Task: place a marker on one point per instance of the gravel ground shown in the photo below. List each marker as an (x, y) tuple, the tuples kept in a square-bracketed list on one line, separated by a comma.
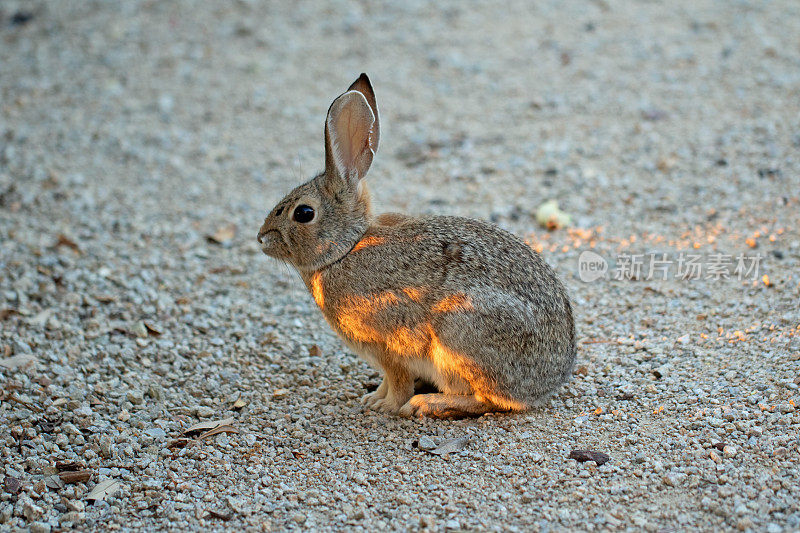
[(142, 143)]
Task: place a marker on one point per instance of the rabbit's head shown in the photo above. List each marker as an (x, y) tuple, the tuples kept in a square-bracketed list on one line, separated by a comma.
[(321, 220)]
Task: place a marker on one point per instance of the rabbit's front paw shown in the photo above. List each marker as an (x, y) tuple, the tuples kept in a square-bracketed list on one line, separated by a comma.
[(390, 405), (375, 396), (391, 395), (372, 398)]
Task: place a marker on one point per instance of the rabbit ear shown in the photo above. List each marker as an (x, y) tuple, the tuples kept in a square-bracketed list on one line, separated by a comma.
[(363, 86), (350, 136)]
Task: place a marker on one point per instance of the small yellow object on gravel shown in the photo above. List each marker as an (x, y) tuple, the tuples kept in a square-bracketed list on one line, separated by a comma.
[(549, 216)]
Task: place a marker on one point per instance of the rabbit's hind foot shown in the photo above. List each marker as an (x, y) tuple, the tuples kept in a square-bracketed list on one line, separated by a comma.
[(446, 406)]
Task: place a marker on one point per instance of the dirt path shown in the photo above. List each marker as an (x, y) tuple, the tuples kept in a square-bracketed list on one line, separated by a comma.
[(130, 133)]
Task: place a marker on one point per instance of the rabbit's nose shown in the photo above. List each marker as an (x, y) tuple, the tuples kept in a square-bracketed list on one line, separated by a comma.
[(261, 233)]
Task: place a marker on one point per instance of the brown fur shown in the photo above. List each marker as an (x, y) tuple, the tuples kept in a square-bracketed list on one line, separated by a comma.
[(456, 302)]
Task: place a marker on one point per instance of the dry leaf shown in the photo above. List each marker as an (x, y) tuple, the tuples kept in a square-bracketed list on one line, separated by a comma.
[(315, 351), (22, 360), (14, 398), (450, 446), (105, 298), (63, 240), (103, 489), (223, 235), (218, 430), (54, 482), (178, 443), (76, 476), (68, 466), (217, 514), (589, 455), (239, 403), (151, 329), (206, 426), (5, 313), (12, 485)]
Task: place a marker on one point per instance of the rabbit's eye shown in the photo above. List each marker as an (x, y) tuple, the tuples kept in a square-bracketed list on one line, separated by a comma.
[(303, 214)]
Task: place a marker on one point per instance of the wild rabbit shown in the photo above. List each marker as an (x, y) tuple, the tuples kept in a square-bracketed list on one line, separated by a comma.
[(455, 302)]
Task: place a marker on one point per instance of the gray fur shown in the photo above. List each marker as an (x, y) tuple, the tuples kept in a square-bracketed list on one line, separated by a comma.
[(450, 300)]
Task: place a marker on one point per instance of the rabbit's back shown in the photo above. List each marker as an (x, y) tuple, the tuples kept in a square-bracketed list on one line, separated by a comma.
[(470, 294)]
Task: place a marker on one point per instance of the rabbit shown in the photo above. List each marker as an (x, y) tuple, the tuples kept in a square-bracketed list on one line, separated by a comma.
[(455, 302)]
